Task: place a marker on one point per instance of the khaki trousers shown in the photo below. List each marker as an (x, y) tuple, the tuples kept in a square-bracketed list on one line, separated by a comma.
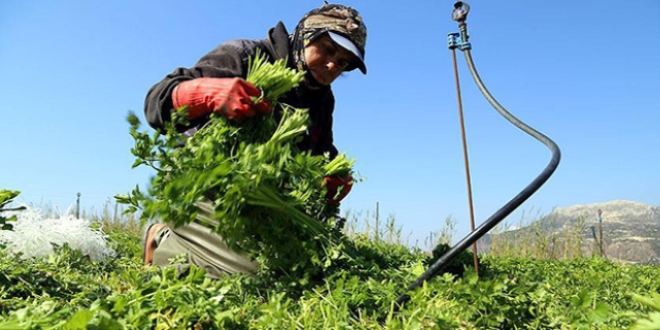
[(201, 247)]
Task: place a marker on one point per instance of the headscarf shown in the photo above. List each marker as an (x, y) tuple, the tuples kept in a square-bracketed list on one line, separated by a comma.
[(340, 19)]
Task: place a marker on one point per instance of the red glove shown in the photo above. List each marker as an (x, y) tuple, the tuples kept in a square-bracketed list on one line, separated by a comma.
[(338, 188), (227, 96)]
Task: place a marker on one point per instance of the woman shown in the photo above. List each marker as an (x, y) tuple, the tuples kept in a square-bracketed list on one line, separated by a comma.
[(326, 42)]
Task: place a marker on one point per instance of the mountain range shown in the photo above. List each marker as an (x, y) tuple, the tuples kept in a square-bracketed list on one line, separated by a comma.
[(630, 230)]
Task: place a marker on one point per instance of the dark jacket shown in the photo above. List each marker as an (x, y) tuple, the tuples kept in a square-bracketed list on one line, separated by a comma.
[(230, 59)]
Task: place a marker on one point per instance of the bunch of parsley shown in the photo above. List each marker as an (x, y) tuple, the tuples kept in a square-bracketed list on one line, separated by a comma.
[(267, 196)]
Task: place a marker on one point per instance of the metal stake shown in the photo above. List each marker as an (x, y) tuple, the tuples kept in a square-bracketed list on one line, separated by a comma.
[(465, 158)]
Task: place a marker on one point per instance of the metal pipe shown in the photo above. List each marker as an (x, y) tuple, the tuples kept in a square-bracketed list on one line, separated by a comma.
[(517, 200)]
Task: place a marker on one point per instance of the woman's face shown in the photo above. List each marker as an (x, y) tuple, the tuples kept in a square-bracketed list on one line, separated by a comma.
[(326, 60)]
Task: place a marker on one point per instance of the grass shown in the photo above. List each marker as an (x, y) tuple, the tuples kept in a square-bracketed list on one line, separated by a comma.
[(112, 218), (540, 283), (535, 241)]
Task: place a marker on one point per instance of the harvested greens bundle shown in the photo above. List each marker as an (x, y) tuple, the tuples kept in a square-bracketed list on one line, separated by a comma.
[(268, 196)]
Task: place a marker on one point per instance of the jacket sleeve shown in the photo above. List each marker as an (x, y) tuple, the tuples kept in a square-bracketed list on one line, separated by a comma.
[(326, 139), (227, 60)]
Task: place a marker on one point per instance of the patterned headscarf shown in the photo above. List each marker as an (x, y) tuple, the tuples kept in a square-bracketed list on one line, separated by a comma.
[(342, 20)]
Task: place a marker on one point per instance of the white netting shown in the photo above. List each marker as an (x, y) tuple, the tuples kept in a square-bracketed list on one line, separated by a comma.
[(34, 235)]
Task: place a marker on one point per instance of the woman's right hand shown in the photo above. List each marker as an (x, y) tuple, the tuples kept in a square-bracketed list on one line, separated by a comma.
[(230, 97)]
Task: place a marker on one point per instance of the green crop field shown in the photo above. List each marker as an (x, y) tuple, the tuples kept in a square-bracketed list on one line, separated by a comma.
[(67, 290)]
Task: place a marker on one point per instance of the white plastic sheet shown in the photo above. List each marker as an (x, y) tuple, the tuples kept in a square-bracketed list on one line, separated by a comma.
[(35, 234)]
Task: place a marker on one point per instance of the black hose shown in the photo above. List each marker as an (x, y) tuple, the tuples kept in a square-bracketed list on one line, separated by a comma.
[(509, 207)]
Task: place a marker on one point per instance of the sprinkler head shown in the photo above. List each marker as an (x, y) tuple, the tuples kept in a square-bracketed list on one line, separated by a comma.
[(460, 12)]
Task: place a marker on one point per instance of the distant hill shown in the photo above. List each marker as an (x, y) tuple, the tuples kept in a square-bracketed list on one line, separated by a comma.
[(631, 230)]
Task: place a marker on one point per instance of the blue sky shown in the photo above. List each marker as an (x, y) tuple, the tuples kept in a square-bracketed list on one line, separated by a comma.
[(585, 73)]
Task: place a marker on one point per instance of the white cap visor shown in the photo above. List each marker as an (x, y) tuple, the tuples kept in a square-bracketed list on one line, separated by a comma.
[(349, 46)]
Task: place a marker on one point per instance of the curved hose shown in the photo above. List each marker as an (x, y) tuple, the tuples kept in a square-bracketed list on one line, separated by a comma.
[(509, 207)]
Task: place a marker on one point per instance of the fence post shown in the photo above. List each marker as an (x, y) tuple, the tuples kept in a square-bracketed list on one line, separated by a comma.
[(78, 206), (377, 229), (600, 223)]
